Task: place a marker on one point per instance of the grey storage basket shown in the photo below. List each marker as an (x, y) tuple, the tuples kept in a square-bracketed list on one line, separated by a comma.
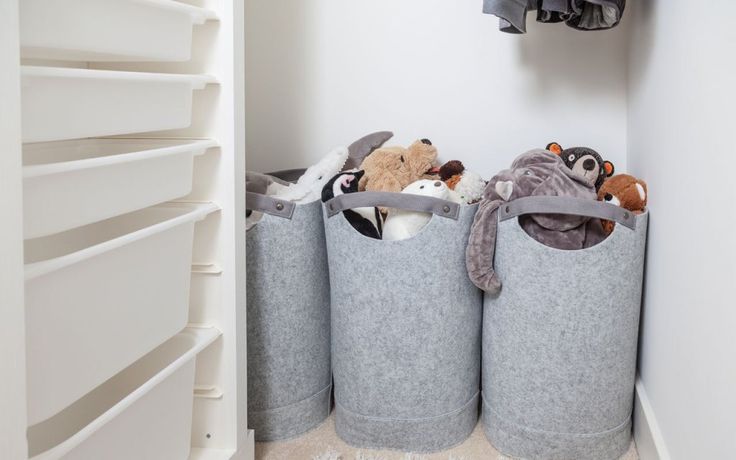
[(405, 328), (288, 316), (560, 340)]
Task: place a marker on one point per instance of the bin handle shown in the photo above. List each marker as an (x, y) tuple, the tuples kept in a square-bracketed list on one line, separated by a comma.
[(269, 205), (405, 201), (569, 206)]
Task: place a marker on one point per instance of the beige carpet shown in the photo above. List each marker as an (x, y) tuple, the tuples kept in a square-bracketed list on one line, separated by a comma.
[(323, 444)]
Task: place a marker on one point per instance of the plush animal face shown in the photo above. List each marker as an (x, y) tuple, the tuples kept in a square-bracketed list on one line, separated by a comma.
[(340, 184), (466, 186), (427, 187), (584, 162), (391, 169), (625, 191), (526, 174)]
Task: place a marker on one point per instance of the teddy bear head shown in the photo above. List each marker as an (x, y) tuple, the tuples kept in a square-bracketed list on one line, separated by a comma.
[(584, 162), (626, 191), (391, 169)]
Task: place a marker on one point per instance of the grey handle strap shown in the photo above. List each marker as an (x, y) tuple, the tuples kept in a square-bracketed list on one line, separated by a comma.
[(269, 205), (566, 205), (405, 201)]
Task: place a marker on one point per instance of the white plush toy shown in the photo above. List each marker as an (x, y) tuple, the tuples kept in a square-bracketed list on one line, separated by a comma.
[(309, 186), (469, 189), (402, 224), (466, 187)]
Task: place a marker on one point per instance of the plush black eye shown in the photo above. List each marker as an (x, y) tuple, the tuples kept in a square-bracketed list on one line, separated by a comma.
[(402, 158), (571, 158), (319, 178), (608, 197), (421, 187)]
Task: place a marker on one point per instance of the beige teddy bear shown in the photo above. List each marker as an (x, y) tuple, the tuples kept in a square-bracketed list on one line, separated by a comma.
[(391, 169)]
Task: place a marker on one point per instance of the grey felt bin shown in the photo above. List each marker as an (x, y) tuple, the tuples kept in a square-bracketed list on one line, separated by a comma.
[(560, 340), (405, 328), (288, 317)]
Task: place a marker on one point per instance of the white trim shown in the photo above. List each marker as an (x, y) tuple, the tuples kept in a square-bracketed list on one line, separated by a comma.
[(649, 441), (197, 81), (13, 413), (157, 149)]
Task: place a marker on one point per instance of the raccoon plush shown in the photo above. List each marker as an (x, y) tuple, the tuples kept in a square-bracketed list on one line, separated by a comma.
[(367, 221), (585, 162)]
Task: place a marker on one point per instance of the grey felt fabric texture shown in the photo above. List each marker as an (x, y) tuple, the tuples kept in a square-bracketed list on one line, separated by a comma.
[(405, 336), (288, 316), (560, 343)]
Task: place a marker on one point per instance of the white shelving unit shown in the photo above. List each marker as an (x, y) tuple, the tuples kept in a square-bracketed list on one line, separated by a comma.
[(121, 176)]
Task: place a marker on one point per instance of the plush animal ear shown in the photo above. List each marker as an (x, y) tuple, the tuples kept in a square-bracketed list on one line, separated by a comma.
[(608, 167), (554, 147), (505, 189), (642, 192)]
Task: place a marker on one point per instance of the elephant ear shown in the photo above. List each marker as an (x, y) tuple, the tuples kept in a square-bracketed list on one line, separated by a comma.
[(364, 146)]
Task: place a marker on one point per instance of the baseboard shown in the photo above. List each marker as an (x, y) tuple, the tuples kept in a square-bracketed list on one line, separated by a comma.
[(649, 441)]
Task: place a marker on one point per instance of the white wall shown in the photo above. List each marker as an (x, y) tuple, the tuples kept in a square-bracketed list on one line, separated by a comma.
[(321, 73), (681, 141)]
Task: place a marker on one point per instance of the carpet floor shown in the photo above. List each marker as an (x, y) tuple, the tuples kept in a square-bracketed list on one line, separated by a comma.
[(323, 444)]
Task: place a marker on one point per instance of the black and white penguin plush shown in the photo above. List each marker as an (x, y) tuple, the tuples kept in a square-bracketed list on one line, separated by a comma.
[(367, 221)]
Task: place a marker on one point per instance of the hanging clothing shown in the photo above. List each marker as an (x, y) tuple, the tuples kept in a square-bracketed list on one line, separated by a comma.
[(578, 14)]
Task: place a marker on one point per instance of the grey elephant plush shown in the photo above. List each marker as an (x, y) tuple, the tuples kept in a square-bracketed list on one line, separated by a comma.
[(537, 172)]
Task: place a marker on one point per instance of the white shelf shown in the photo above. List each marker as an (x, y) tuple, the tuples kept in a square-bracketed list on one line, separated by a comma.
[(73, 183), (101, 296), (67, 103), (109, 30), (143, 413)]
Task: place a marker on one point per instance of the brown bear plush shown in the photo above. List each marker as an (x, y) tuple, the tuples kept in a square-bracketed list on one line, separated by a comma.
[(625, 191), (390, 169)]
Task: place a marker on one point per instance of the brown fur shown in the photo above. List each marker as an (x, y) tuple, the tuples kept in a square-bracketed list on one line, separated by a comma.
[(451, 168), (390, 169), (623, 187)]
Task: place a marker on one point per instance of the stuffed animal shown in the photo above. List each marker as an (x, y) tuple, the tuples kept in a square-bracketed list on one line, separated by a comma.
[(309, 186), (367, 221), (585, 162), (391, 169), (401, 224), (625, 191), (538, 172), (466, 187)]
